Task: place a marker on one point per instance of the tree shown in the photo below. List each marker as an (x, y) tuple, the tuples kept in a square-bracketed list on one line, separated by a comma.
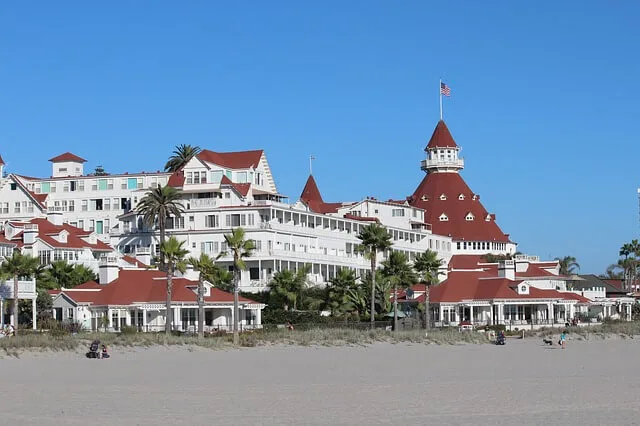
[(287, 287), (339, 289), (240, 249), (427, 264), (159, 204), (221, 278), (181, 156), (397, 269), (568, 265), (60, 274), (205, 265), (174, 254), (18, 265), (614, 271), (631, 253), (99, 171), (82, 274), (373, 239)]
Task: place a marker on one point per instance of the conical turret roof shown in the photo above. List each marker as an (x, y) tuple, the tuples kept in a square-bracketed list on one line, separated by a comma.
[(441, 137)]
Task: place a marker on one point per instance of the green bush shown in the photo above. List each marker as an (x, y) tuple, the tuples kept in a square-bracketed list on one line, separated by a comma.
[(128, 329)]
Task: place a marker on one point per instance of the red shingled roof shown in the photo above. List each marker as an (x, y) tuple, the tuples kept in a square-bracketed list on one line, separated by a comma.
[(233, 160), (47, 231), (176, 180), (452, 185), (132, 260), (313, 199), (150, 286), (441, 137), (67, 156), (1, 160), (465, 261), (241, 188)]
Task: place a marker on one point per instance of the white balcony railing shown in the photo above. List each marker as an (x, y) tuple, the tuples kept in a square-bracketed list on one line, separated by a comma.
[(201, 203), (459, 163), (26, 289)]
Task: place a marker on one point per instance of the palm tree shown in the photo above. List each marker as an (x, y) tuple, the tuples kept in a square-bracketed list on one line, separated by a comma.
[(82, 274), (288, 286), (398, 270), (174, 254), (614, 271), (205, 264), (427, 264), (338, 298), (373, 239), (161, 203), (568, 265), (181, 156), (18, 265), (240, 249)]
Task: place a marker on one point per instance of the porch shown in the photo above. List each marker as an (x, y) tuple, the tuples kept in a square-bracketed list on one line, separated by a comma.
[(26, 290), (151, 317)]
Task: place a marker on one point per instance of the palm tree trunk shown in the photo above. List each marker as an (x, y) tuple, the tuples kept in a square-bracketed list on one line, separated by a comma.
[(236, 290), (200, 307), (373, 290), (161, 225), (426, 306), (15, 304), (395, 307), (169, 313)]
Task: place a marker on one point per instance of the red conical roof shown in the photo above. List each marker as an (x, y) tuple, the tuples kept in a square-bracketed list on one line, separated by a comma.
[(441, 137), (1, 160), (313, 199)]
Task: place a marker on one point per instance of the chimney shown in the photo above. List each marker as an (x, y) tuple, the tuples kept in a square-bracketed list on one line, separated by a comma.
[(108, 269), (30, 233), (55, 216), (507, 269), (143, 255)]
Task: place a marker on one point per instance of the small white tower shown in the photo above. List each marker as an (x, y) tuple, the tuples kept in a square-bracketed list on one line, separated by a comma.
[(443, 154), (1, 167)]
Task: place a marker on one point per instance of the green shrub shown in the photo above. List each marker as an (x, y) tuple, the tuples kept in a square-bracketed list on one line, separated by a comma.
[(128, 329)]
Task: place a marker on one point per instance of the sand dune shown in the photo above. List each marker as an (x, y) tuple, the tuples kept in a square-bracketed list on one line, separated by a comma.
[(524, 382)]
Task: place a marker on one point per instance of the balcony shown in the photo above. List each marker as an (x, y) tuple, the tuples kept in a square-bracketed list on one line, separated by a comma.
[(201, 203), (26, 289), (444, 164)]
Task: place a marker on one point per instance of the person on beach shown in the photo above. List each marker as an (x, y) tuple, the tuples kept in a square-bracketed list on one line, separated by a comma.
[(563, 339), (104, 354), (289, 326)]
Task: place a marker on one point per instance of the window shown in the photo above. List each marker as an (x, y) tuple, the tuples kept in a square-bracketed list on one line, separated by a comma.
[(132, 183), (14, 186), (354, 212), (109, 183), (71, 207), (65, 186), (461, 197), (397, 212), (80, 185), (254, 273), (458, 245), (242, 177), (235, 220), (211, 221), (17, 207), (72, 185), (85, 205), (96, 204), (107, 203), (62, 169), (81, 223), (189, 177), (46, 187), (258, 179), (469, 216), (102, 184), (443, 197), (443, 218), (94, 185)]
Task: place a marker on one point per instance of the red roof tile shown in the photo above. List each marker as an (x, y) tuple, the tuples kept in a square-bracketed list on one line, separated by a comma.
[(241, 188), (81, 296), (465, 261), (451, 185), (67, 156), (47, 231), (89, 285), (233, 160), (441, 137), (132, 260)]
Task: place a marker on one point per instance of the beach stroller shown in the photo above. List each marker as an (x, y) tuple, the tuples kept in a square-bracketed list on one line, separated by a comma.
[(94, 350), (500, 340)]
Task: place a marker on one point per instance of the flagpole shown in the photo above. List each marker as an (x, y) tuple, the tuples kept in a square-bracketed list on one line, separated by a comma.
[(440, 91)]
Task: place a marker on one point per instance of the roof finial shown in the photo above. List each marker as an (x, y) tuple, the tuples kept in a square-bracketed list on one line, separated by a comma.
[(311, 158)]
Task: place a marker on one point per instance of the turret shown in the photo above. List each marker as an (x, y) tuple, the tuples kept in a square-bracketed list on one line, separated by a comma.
[(443, 154)]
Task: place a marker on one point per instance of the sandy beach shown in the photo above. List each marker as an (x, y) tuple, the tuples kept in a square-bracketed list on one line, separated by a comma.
[(523, 382)]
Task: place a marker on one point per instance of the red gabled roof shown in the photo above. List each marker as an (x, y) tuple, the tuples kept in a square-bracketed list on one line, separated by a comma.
[(1, 160), (313, 199), (176, 179), (465, 261), (67, 156), (452, 185), (80, 296), (441, 137), (241, 188), (89, 285), (132, 260), (150, 286), (47, 231), (233, 160)]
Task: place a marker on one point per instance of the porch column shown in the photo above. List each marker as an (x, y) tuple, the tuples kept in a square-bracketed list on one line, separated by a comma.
[(258, 316), (2, 312), (551, 316), (144, 319), (260, 279), (440, 314), (471, 314), (33, 313), (109, 316), (177, 319), (230, 325)]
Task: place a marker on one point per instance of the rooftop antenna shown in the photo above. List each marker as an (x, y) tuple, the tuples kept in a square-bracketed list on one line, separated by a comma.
[(311, 158)]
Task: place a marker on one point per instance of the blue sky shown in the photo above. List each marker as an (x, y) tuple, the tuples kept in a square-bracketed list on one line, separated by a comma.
[(544, 99)]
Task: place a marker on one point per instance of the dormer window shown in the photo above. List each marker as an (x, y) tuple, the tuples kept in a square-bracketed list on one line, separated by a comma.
[(443, 218), (469, 216), (424, 198), (461, 197), (488, 218), (475, 197), (443, 197)]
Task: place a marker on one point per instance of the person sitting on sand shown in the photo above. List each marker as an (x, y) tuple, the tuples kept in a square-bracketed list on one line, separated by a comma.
[(104, 354), (289, 326)]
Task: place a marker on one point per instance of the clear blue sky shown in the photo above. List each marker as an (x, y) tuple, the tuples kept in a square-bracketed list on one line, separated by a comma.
[(544, 99)]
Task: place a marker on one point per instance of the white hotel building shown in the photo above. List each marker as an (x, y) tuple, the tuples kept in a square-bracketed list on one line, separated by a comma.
[(220, 191)]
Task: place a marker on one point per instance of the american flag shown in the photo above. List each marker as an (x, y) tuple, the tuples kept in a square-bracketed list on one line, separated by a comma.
[(444, 89)]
